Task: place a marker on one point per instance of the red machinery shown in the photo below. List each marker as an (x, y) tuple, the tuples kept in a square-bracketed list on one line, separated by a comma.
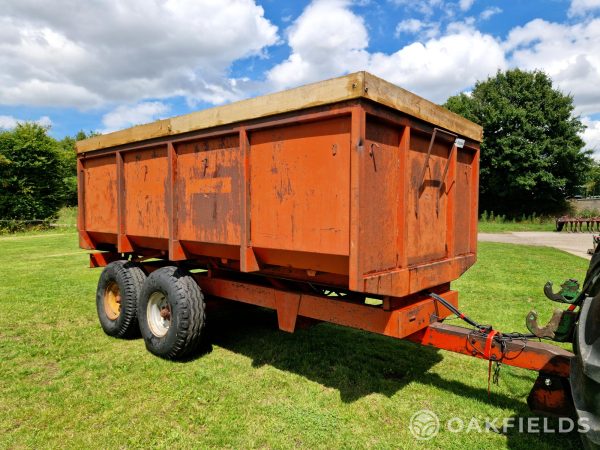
[(569, 223)]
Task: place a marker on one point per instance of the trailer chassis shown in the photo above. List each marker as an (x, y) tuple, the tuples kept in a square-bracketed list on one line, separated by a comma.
[(417, 318)]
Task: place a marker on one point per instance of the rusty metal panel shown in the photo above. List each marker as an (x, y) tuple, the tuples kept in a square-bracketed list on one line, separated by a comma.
[(299, 184), (380, 191), (100, 194), (145, 178), (346, 191), (464, 194), (415, 315), (208, 190), (426, 213)]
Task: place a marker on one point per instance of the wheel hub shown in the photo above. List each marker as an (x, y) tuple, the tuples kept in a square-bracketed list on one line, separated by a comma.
[(112, 301), (158, 314), (165, 313)]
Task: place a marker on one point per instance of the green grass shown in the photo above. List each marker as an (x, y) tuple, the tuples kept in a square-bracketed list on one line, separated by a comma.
[(506, 227), (492, 223), (67, 218), (65, 384)]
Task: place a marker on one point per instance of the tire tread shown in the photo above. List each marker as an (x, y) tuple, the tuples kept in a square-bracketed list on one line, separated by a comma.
[(130, 277), (191, 310)]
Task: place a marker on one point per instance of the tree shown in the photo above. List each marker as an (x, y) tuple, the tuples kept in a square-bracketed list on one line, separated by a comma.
[(592, 186), (532, 155), (31, 185)]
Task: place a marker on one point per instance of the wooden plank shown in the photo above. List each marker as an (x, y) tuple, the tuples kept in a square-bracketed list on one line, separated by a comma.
[(138, 133), (395, 97), (315, 94), (352, 86)]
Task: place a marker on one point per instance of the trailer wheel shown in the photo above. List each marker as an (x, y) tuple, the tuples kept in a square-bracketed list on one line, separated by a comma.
[(116, 298), (171, 313)]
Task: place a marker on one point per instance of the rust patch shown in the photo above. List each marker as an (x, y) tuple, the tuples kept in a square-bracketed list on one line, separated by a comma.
[(221, 185)]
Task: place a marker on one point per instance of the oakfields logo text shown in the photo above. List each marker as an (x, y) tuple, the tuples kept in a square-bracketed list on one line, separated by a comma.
[(425, 425)]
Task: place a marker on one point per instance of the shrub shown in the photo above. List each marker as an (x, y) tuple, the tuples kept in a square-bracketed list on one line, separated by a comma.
[(31, 182)]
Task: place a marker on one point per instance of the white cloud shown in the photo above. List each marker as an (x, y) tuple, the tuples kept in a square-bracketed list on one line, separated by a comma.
[(466, 24), (489, 12), (591, 135), (427, 7), (9, 122), (570, 54), (109, 52), (129, 115), (409, 26), (328, 39), (582, 7), (86, 54), (425, 29), (441, 67), (465, 5), (44, 121)]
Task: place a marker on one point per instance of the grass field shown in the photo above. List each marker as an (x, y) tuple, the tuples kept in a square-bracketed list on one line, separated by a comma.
[(505, 227), (65, 384), (491, 223)]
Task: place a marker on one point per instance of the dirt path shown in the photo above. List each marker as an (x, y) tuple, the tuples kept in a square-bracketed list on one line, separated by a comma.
[(574, 243)]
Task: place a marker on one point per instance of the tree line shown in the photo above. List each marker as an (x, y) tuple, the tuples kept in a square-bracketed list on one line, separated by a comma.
[(532, 154), (38, 174)]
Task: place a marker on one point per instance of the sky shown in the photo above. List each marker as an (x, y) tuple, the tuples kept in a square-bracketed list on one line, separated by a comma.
[(105, 65)]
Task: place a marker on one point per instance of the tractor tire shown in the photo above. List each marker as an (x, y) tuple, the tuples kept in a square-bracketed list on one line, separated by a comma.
[(585, 371), (172, 314), (117, 295)]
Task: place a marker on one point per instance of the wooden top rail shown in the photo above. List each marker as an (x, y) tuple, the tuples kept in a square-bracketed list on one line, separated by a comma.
[(353, 86)]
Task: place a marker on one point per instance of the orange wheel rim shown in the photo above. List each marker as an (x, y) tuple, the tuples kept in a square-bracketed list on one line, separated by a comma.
[(112, 301)]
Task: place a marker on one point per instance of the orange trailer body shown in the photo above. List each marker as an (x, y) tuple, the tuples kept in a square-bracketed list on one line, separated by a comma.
[(347, 201), (352, 182)]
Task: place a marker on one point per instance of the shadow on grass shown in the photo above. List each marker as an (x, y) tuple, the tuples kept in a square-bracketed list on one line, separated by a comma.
[(357, 364), (354, 362)]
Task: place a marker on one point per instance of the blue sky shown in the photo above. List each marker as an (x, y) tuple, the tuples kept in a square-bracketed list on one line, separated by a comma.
[(110, 64)]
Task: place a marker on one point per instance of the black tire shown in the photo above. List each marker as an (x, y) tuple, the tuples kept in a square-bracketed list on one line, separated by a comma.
[(124, 280), (177, 296)]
